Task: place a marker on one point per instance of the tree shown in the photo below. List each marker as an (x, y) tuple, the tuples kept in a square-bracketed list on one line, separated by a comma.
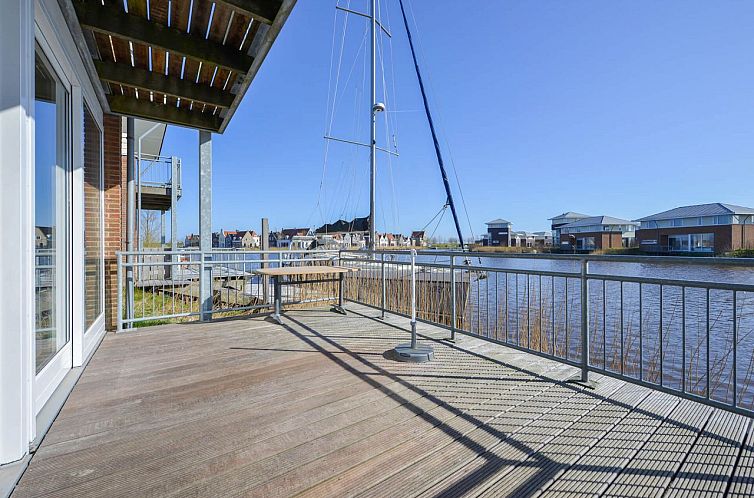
[(150, 229)]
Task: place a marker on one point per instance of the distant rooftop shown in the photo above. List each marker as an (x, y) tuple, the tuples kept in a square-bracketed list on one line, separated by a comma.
[(498, 222), (598, 220), (355, 225), (713, 209), (570, 214)]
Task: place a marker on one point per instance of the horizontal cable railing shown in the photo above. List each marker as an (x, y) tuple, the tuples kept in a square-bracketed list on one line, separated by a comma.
[(683, 325), (160, 286)]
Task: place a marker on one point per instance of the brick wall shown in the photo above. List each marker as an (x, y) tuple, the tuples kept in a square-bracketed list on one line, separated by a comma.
[(727, 237), (115, 212), (602, 240)]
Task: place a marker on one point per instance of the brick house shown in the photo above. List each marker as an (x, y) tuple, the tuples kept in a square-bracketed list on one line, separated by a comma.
[(714, 228), (418, 238), (597, 233), (561, 220), (498, 233), (238, 239)]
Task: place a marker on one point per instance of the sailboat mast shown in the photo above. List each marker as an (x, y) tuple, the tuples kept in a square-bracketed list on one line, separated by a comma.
[(373, 125), (432, 129)]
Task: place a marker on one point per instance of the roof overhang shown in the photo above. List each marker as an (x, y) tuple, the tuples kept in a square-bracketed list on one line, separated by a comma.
[(181, 62), (152, 136)]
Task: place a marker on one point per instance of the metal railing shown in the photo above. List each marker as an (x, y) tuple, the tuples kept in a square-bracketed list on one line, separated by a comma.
[(679, 325), (158, 286), (159, 171)]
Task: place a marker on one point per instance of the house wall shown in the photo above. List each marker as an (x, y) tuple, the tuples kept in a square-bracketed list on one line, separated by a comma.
[(727, 237), (115, 211), (498, 236), (602, 240), (742, 236)]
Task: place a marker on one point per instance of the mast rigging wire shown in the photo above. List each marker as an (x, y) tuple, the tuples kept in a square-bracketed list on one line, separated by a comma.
[(441, 122), (432, 129)]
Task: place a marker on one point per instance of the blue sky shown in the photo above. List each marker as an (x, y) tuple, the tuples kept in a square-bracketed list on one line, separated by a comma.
[(623, 108)]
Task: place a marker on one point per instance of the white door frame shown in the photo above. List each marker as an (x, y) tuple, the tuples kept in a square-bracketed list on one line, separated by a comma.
[(17, 427), (22, 391), (60, 48)]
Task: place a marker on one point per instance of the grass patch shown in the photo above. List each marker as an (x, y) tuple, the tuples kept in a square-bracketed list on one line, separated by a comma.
[(741, 253)]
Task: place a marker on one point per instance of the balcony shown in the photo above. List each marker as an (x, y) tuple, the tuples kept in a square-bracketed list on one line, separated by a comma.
[(157, 178), (314, 407)]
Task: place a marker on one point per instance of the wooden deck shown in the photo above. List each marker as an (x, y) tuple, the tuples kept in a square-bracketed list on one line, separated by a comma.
[(246, 407)]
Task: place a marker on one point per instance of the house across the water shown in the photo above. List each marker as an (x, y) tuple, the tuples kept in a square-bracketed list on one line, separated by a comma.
[(706, 228), (236, 239), (498, 233), (561, 220), (597, 233)]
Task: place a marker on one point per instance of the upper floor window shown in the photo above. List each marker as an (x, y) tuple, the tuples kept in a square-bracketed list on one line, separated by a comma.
[(724, 220)]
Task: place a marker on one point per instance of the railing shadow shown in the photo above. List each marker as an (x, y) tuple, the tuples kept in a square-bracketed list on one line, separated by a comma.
[(548, 468)]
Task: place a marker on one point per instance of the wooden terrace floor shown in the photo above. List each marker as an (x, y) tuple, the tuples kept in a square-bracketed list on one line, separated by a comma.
[(246, 407)]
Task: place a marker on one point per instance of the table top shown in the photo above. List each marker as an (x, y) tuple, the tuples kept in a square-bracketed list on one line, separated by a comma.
[(304, 270)]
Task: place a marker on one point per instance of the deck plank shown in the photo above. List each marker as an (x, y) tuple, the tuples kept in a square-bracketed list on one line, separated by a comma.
[(247, 407), (652, 468)]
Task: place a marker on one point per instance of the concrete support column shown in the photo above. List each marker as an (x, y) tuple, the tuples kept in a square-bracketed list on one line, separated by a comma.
[(205, 219), (174, 185), (17, 426), (264, 244)]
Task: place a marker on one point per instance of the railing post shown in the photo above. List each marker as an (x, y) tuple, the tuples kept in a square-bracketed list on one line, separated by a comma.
[(584, 320), (382, 283), (340, 279), (130, 289), (202, 289), (413, 298), (453, 305), (119, 300)]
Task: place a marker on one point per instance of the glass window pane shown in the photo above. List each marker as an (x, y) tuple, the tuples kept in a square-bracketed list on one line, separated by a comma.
[(93, 250), (50, 192), (702, 242)]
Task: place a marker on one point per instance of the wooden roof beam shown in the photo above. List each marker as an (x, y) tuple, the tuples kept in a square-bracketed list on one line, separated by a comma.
[(260, 10), (169, 85), (129, 106), (111, 20)]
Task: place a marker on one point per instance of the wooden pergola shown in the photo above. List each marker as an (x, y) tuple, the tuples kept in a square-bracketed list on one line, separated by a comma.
[(182, 62)]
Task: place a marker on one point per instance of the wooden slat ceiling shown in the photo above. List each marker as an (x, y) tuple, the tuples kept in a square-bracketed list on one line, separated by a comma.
[(182, 62)]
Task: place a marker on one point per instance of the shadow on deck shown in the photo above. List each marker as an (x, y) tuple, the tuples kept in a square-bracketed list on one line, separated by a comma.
[(246, 407)]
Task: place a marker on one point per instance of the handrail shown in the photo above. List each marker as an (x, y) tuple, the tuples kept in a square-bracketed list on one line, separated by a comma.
[(171, 287), (670, 334), (652, 331), (618, 258)]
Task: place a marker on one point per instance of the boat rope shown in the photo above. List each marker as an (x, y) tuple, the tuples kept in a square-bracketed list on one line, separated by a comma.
[(328, 114), (441, 125), (440, 212), (438, 153), (388, 103)]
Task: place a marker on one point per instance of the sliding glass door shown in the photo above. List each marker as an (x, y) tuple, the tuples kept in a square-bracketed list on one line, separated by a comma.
[(51, 231)]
